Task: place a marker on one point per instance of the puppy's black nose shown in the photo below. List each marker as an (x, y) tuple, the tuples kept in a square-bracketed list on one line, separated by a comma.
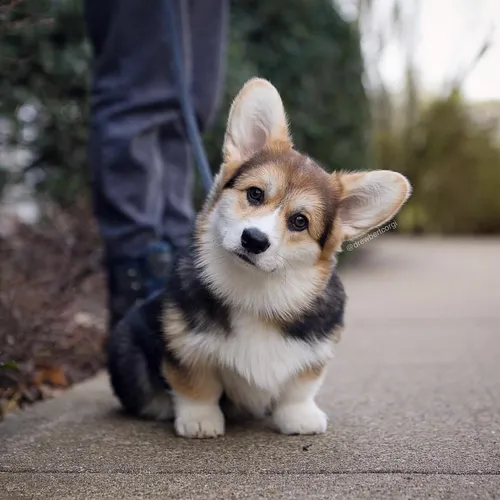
[(254, 240)]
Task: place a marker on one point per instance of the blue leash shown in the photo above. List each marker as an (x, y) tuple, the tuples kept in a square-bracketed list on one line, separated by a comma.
[(188, 114)]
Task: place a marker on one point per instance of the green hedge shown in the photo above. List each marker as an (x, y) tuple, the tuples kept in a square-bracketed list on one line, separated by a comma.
[(453, 162), (313, 57), (45, 60)]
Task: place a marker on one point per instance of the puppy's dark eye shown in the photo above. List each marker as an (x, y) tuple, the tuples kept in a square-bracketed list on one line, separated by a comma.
[(255, 195), (297, 222)]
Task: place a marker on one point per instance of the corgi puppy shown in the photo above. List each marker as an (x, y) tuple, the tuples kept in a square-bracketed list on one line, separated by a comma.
[(253, 309)]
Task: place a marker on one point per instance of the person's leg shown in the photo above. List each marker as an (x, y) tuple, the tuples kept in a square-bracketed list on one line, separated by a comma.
[(178, 180), (208, 25), (133, 102), (209, 22)]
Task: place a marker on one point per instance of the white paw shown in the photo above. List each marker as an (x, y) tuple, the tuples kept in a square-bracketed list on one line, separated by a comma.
[(300, 418), (205, 421)]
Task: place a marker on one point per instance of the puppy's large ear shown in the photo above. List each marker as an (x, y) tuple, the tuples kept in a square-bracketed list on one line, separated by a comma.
[(370, 199), (257, 118)]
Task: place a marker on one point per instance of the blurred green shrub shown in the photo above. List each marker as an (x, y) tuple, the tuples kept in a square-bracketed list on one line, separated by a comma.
[(302, 46), (313, 58), (45, 64), (452, 159)]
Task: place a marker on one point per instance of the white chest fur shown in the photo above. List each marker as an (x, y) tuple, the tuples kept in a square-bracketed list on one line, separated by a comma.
[(258, 353)]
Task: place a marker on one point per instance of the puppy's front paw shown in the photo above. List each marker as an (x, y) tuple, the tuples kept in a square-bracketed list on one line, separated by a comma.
[(200, 422), (300, 418)]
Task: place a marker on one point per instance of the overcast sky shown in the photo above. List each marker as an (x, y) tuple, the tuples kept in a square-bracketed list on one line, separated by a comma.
[(448, 35)]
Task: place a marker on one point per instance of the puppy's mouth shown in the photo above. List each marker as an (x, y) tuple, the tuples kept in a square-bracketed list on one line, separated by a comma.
[(247, 260), (244, 258)]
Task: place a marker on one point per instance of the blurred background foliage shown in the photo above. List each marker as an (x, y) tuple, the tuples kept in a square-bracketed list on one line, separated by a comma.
[(453, 162), (447, 146), (314, 58), (44, 87), (47, 61)]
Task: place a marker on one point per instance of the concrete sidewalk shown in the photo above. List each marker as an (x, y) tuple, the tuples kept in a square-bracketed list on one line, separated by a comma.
[(413, 399)]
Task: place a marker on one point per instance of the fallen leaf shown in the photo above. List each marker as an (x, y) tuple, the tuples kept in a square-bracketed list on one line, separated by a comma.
[(10, 404), (51, 375)]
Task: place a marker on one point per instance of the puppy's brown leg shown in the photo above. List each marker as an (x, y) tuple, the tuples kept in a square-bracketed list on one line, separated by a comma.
[(296, 411), (196, 393)]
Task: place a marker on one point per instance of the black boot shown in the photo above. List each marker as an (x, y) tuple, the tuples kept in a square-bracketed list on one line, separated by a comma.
[(133, 280)]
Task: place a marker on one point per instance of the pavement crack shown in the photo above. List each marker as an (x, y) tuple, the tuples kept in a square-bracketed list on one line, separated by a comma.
[(249, 473)]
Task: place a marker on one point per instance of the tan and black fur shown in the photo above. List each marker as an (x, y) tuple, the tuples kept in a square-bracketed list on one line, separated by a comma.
[(253, 309)]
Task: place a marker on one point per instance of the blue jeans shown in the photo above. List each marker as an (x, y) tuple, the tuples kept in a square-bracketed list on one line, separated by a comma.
[(141, 169)]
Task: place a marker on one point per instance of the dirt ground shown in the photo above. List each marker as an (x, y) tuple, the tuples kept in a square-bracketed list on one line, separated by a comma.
[(52, 306)]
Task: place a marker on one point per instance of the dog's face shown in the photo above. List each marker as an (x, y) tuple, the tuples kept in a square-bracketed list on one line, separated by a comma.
[(274, 210)]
